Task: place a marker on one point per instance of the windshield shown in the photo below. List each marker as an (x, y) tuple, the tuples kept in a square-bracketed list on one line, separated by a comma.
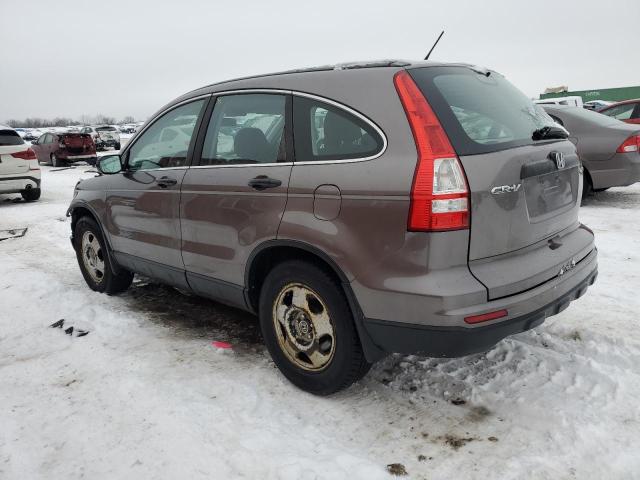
[(480, 113)]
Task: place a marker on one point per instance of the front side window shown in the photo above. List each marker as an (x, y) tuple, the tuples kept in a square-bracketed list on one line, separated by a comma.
[(325, 132), (246, 129), (166, 142), (621, 112)]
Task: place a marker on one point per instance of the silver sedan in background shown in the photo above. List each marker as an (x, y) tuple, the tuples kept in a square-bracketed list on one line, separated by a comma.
[(609, 149)]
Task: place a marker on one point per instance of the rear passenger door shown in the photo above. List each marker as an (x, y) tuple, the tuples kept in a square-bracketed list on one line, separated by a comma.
[(235, 193)]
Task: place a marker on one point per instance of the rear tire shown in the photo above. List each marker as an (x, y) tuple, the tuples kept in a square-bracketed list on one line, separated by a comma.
[(308, 328), (93, 259), (55, 161), (31, 195), (117, 147)]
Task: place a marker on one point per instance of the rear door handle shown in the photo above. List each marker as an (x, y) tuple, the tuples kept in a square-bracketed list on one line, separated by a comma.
[(165, 182), (262, 182)]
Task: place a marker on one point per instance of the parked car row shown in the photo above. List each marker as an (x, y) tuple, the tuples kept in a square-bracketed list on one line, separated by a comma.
[(30, 134)]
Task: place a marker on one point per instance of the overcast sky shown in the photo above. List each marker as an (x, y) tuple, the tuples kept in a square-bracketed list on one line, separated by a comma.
[(74, 57)]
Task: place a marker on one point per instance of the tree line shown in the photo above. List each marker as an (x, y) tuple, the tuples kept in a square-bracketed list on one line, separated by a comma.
[(37, 122)]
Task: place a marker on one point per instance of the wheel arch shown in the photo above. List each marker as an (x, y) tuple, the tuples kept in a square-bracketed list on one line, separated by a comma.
[(76, 212), (270, 253)]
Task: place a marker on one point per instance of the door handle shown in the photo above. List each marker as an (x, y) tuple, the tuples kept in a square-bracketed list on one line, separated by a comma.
[(262, 182), (165, 182)]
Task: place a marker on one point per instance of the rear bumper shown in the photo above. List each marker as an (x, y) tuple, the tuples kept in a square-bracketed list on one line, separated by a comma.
[(18, 183), (526, 310), (76, 158), (619, 171)]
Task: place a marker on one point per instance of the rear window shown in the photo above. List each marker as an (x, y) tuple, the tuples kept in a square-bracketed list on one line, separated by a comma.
[(10, 137), (480, 113), (106, 129)]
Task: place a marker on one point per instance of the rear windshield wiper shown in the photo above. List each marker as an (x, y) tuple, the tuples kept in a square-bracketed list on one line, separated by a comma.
[(548, 132)]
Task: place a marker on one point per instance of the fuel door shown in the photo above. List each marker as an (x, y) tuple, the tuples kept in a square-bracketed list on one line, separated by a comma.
[(327, 201)]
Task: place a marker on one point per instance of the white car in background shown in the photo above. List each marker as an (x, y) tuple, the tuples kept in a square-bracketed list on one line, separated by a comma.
[(596, 104), (104, 136), (19, 169), (571, 100)]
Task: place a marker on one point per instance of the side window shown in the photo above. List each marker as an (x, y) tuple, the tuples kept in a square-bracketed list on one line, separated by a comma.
[(246, 129), (621, 112), (325, 132), (166, 142), (46, 138)]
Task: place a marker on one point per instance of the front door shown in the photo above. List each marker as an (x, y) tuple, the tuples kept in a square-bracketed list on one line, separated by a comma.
[(234, 195), (143, 203)]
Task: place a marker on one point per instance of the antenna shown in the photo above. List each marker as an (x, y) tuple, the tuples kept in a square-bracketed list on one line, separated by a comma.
[(434, 45)]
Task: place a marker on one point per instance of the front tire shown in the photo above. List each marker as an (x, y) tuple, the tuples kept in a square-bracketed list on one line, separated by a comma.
[(31, 195), (93, 259), (309, 330), (117, 146)]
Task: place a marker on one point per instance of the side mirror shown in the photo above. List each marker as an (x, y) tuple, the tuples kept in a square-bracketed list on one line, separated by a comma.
[(109, 164)]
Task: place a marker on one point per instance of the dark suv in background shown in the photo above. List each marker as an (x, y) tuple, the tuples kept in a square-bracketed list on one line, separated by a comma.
[(359, 210)]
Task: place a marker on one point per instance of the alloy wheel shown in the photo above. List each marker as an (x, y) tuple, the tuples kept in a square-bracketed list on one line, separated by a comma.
[(92, 256), (304, 327)]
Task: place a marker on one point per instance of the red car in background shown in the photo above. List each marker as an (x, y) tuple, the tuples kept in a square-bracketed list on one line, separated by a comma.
[(62, 148), (627, 111)]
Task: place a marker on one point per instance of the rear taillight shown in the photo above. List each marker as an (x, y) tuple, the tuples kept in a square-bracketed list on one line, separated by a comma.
[(439, 194), (631, 144), (27, 154)]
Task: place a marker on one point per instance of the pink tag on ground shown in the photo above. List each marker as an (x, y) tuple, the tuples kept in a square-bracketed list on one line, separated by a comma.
[(218, 344)]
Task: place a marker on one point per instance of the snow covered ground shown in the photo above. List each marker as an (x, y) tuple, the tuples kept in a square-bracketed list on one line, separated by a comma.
[(146, 395)]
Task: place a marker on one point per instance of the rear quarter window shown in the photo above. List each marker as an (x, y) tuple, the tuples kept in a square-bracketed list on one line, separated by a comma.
[(10, 137), (323, 131), (480, 113)]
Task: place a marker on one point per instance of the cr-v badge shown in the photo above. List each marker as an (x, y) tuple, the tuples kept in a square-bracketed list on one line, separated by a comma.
[(506, 189)]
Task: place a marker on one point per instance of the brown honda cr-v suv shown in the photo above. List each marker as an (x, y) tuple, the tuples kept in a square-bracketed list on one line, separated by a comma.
[(358, 210)]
